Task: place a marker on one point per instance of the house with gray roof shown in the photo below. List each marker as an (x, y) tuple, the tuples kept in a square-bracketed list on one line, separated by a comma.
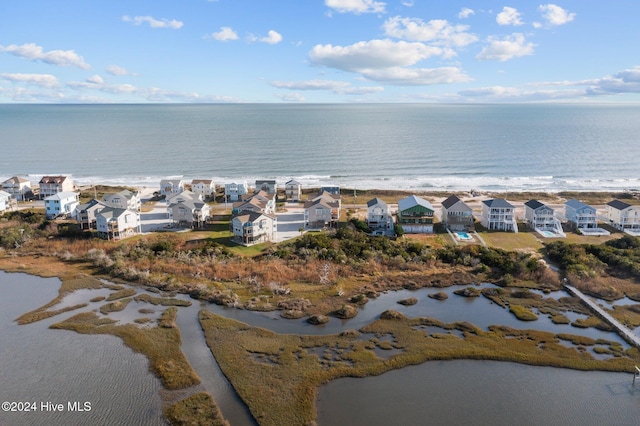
[(115, 224), (415, 215), (580, 215), (169, 187), (293, 190), (254, 228), (233, 191), (378, 216), (499, 215), (541, 217), (124, 199), (86, 213), (623, 216), (322, 210), (456, 214), (60, 204)]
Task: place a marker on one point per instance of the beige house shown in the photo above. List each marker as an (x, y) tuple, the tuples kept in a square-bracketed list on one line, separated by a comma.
[(204, 187), (254, 228), (51, 185), (260, 201), (322, 210), (115, 224), (624, 217), (86, 214), (456, 214), (19, 188), (192, 213)]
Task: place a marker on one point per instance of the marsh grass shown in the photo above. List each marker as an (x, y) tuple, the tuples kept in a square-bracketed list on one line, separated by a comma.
[(116, 306), (121, 294), (161, 300), (283, 391), (198, 409), (522, 313), (161, 345)]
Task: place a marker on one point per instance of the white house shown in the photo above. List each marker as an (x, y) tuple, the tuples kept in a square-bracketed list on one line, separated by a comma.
[(580, 215), (50, 185), (234, 191), (254, 228), (204, 187), (123, 200), (541, 217), (170, 187), (115, 224), (378, 216), (456, 214), (5, 201), (498, 214), (623, 216), (62, 203), (19, 188), (293, 190)]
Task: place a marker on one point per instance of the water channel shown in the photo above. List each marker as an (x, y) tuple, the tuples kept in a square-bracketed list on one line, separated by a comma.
[(58, 365)]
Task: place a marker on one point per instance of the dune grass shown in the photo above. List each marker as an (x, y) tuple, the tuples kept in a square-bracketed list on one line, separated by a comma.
[(277, 375)]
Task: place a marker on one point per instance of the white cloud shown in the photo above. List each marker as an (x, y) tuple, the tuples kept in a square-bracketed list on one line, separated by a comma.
[(225, 34), (340, 87), (153, 22), (509, 16), (417, 76), (372, 54), (356, 6), (54, 57), (437, 31), (118, 70), (509, 47), (465, 12), (273, 37), (555, 15), (42, 80)]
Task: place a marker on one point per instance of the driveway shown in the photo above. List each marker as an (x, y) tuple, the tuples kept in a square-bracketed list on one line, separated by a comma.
[(290, 222)]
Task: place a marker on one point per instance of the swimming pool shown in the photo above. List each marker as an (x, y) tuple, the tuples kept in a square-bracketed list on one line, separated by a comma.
[(463, 236)]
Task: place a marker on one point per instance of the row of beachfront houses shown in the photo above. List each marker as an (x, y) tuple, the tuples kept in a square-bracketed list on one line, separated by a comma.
[(254, 220)]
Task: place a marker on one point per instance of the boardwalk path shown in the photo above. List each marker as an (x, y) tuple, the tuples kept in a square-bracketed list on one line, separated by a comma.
[(627, 334)]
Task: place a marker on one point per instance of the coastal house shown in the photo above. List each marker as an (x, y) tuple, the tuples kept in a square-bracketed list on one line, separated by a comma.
[(499, 215), (234, 191), (170, 187), (260, 201), (51, 185), (378, 215), (580, 215), (335, 190), (268, 185), (190, 212), (60, 204), (415, 215), (541, 218), (456, 214), (623, 216), (124, 199), (254, 228), (293, 190), (86, 213), (322, 210), (204, 187), (115, 224), (19, 188), (6, 201)]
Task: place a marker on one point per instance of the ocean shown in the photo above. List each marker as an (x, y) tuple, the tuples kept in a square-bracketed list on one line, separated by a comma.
[(421, 147)]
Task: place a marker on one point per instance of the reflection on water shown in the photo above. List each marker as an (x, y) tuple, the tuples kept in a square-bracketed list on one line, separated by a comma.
[(58, 366), (481, 393)]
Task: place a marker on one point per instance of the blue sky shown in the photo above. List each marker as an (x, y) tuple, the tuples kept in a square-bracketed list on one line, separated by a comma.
[(79, 51)]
